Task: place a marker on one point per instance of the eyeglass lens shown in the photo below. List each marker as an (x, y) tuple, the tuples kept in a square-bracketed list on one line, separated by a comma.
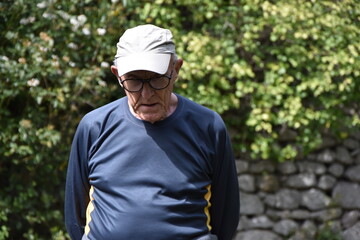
[(135, 85)]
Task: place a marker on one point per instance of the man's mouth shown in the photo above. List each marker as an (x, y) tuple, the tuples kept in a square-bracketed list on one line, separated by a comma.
[(148, 105)]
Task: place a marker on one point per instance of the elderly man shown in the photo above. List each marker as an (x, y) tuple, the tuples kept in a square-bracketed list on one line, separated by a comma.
[(151, 165)]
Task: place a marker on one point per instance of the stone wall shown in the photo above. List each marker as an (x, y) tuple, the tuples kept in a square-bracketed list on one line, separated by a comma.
[(300, 199)]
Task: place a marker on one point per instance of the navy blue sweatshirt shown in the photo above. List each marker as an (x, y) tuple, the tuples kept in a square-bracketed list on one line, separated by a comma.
[(130, 179)]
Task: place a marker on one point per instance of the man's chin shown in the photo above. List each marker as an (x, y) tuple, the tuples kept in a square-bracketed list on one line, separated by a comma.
[(151, 114), (152, 118)]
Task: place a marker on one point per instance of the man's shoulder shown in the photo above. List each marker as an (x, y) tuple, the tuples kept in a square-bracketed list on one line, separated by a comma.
[(201, 113)]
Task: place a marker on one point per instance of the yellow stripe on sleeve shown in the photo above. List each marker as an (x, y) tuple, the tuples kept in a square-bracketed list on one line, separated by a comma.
[(206, 209), (89, 209)]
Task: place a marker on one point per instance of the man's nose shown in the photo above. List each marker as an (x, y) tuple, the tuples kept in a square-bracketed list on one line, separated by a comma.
[(147, 91)]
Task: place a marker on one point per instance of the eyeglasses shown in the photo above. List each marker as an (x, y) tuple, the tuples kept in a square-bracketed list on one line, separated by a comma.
[(136, 85)]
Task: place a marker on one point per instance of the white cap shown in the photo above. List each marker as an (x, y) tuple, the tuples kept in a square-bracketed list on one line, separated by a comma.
[(145, 47)]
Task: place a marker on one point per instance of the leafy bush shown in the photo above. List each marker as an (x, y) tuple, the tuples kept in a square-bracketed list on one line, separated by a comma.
[(268, 68), (276, 71), (54, 66)]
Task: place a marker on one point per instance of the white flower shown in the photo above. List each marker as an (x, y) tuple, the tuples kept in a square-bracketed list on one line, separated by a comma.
[(102, 83), (82, 19), (101, 31), (86, 31), (104, 65), (41, 5), (72, 64), (49, 16), (43, 49), (24, 21), (74, 22), (72, 46), (78, 21), (33, 82), (55, 63), (64, 15), (114, 1), (32, 19), (27, 20), (4, 58)]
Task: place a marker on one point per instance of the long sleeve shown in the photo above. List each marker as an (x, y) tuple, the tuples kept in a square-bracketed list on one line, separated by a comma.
[(225, 203), (77, 184)]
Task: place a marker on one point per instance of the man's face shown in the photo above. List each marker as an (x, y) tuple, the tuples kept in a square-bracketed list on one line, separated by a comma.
[(150, 104)]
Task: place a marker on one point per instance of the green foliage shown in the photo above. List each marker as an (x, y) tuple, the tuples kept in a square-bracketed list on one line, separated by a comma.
[(306, 63), (327, 233), (54, 62), (268, 67)]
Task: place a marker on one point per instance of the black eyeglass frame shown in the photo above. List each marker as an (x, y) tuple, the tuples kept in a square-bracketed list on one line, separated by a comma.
[(147, 81)]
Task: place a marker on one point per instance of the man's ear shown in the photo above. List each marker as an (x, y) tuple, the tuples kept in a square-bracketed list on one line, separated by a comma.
[(115, 72), (178, 65)]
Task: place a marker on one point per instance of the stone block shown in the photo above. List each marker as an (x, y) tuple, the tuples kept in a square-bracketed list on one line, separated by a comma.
[(355, 134), (299, 236), (284, 199), (277, 215), (336, 169), (352, 173), (241, 166), (347, 194), (243, 223), (311, 167), (301, 180), (327, 142), (261, 222), (257, 235), (327, 214), (315, 199), (286, 227), (264, 166), (352, 233), (343, 155), (309, 228), (300, 214), (250, 204), (326, 156), (287, 167), (247, 183), (351, 143), (357, 158), (355, 153), (326, 182), (268, 183), (350, 218)]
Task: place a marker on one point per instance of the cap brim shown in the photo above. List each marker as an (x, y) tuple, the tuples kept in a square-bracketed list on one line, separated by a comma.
[(158, 63)]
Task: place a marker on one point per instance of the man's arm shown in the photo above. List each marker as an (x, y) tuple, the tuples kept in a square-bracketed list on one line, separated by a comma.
[(225, 205), (77, 185)]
